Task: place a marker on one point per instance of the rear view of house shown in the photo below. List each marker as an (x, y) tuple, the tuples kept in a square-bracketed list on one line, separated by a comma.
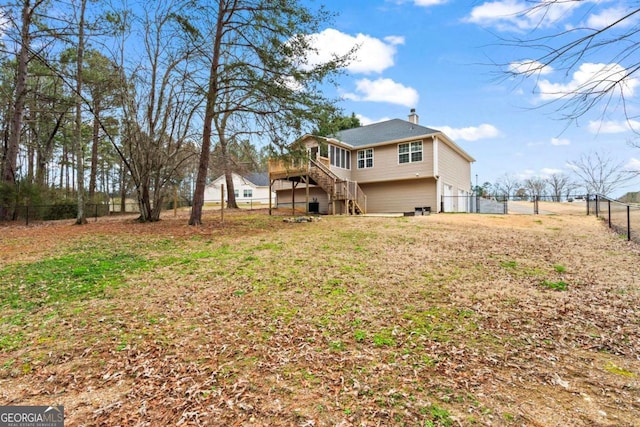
[(386, 167)]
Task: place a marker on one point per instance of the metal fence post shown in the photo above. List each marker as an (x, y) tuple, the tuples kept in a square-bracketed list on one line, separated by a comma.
[(609, 211), (628, 222), (597, 207), (588, 205)]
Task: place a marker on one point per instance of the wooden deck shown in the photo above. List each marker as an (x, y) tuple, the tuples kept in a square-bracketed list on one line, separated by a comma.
[(318, 172), (281, 169)]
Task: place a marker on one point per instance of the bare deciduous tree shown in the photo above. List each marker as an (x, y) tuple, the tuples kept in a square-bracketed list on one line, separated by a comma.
[(600, 174), (536, 186), (507, 184), (159, 107), (610, 44), (558, 183)]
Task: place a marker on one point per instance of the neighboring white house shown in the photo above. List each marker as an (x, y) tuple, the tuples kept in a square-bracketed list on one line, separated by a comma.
[(251, 188)]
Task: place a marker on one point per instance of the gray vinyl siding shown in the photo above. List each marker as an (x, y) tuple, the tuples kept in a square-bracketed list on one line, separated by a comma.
[(386, 166), (400, 196)]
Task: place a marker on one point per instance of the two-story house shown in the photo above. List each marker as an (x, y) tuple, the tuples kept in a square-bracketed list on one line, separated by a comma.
[(386, 167)]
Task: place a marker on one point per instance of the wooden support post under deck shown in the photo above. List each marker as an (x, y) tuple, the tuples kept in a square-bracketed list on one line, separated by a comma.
[(333, 197), (355, 195), (222, 203), (270, 187), (306, 209), (293, 198)]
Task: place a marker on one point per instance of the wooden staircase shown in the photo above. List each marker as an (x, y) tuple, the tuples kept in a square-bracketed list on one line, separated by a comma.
[(338, 189)]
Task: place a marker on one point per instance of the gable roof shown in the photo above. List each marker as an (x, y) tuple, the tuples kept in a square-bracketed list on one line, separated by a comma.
[(390, 130), (257, 179)]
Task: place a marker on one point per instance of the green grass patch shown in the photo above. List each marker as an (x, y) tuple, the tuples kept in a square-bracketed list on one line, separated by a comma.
[(384, 339), (67, 278), (11, 342), (556, 286), (359, 335), (559, 268), (438, 323), (439, 417)]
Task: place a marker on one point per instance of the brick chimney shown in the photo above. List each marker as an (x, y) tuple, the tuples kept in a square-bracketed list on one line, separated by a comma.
[(413, 117)]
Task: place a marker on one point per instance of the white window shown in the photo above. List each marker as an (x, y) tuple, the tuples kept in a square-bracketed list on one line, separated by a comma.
[(365, 158), (247, 193), (410, 152), (340, 157), (236, 193)]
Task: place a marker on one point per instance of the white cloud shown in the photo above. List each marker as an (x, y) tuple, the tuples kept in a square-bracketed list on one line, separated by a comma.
[(591, 79), (291, 83), (423, 3), (515, 15), (547, 172), (372, 56), (471, 133), (609, 16), (4, 23), (633, 165), (364, 120), (394, 40), (384, 90), (529, 67), (526, 174), (428, 3), (560, 141), (612, 126)]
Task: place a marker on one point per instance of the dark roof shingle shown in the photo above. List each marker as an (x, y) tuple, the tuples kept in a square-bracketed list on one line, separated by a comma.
[(259, 179), (389, 130)]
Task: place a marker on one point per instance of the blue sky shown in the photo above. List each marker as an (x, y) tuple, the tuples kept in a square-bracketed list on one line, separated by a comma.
[(435, 56)]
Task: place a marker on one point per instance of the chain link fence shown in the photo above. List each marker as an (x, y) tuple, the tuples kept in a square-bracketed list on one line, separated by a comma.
[(514, 204), (621, 217), (28, 212)]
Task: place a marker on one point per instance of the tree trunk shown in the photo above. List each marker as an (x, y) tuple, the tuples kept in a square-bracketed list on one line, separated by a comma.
[(148, 211), (63, 160), (212, 93), (123, 189), (94, 152), (46, 152), (10, 158), (228, 176), (231, 191), (81, 218)]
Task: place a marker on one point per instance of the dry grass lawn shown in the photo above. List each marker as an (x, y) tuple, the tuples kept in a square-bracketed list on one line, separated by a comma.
[(442, 320)]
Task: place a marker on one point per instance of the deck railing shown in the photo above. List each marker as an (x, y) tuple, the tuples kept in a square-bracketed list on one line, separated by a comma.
[(341, 189), (293, 166), (296, 166)]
